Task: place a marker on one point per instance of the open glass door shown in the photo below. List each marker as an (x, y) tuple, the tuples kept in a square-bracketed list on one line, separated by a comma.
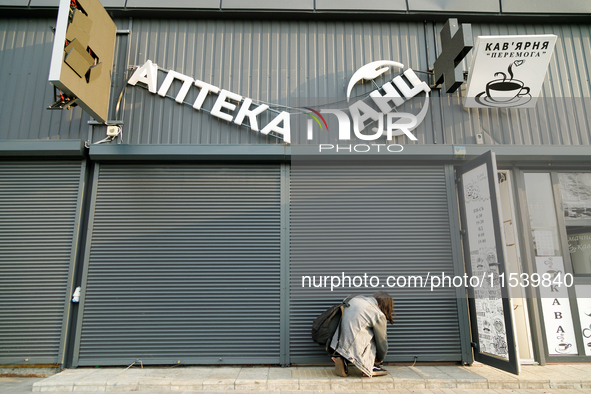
[(492, 323)]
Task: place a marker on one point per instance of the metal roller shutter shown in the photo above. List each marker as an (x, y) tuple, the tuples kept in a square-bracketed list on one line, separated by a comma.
[(382, 221), (39, 211), (184, 265)]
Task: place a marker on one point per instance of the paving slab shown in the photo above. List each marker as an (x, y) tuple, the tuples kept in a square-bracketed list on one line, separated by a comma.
[(191, 378), (496, 378), (347, 384), (405, 377), (453, 377), (530, 378), (221, 378), (280, 373), (458, 373), (402, 372), (254, 378), (378, 383), (281, 379), (430, 372)]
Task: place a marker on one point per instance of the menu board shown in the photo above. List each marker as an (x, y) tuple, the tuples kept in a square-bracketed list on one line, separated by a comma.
[(492, 334), (558, 321)]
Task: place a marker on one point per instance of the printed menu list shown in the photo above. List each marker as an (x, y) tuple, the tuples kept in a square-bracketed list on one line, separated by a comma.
[(492, 333)]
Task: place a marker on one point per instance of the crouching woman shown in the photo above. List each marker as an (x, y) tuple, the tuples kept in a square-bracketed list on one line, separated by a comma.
[(363, 341)]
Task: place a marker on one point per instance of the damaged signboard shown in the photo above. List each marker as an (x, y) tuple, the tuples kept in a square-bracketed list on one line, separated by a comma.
[(82, 57)]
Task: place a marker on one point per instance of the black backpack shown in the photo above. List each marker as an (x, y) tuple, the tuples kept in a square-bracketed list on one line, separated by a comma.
[(326, 324)]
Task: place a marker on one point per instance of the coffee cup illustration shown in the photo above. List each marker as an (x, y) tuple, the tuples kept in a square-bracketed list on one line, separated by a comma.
[(505, 90), (563, 347), (502, 90), (554, 274)]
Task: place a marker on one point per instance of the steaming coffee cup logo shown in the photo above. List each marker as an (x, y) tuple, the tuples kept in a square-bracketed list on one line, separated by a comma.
[(505, 91), (501, 90), (554, 274), (563, 347)]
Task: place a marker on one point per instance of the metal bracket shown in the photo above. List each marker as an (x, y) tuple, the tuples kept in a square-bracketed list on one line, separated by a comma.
[(62, 101), (119, 123), (107, 123)]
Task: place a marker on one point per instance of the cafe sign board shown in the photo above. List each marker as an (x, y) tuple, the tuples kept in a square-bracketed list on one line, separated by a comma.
[(508, 71)]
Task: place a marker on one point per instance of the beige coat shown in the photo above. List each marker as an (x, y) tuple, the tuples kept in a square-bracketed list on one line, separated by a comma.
[(364, 334)]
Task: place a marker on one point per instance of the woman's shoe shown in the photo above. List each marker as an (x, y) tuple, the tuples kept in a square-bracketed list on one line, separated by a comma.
[(379, 371), (340, 367)]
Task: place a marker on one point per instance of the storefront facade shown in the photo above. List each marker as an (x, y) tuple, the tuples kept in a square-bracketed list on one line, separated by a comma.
[(190, 234)]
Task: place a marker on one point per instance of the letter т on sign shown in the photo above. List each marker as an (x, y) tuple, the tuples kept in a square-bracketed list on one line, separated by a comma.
[(82, 57), (456, 42)]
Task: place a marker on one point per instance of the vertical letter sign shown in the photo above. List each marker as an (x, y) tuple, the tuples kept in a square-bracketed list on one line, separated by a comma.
[(82, 56)]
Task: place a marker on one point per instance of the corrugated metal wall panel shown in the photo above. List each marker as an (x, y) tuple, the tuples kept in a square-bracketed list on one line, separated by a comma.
[(561, 114), (25, 53), (284, 63), (39, 204), (382, 221), (184, 265)]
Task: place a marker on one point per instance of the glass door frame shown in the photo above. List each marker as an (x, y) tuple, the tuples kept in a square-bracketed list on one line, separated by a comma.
[(528, 262)]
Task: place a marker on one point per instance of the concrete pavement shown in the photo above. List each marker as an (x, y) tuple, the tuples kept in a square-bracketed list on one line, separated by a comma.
[(425, 379), (25, 386)]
